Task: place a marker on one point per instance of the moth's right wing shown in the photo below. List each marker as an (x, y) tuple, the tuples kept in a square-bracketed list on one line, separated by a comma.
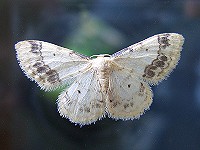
[(49, 65), (128, 97), (152, 59)]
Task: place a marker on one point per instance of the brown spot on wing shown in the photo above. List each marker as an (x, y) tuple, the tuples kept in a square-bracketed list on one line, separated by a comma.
[(141, 91), (52, 76), (126, 105), (38, 64), (43, 69), (157, 66), (87, 109), (150, 73), (152, 67), (36, 47), (163, 58), (163, 41), (98, 106), (158, 63)]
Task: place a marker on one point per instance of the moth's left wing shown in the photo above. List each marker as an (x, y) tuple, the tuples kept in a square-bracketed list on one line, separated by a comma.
[(83, 102), (151, 59), (49, 65)]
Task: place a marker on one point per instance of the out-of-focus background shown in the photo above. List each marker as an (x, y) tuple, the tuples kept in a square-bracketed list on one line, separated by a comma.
[(28, 115)]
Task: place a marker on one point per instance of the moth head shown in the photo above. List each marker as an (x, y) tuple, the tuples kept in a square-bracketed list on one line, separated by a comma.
[(101, 55)]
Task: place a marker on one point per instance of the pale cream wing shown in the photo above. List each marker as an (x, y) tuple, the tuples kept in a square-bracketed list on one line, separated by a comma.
[(151, 59), (49, 65), (83, 102), (128, 97)]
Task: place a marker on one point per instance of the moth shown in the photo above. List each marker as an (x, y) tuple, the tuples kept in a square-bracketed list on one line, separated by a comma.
[(117, 85)]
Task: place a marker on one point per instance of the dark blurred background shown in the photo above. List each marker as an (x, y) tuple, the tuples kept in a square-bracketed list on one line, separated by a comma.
[(28, 115)]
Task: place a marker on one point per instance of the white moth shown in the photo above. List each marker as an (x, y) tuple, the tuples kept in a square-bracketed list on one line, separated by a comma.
[(116, 85)]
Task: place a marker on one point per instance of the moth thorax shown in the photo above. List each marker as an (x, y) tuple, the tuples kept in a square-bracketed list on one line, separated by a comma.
[(102, 66)]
